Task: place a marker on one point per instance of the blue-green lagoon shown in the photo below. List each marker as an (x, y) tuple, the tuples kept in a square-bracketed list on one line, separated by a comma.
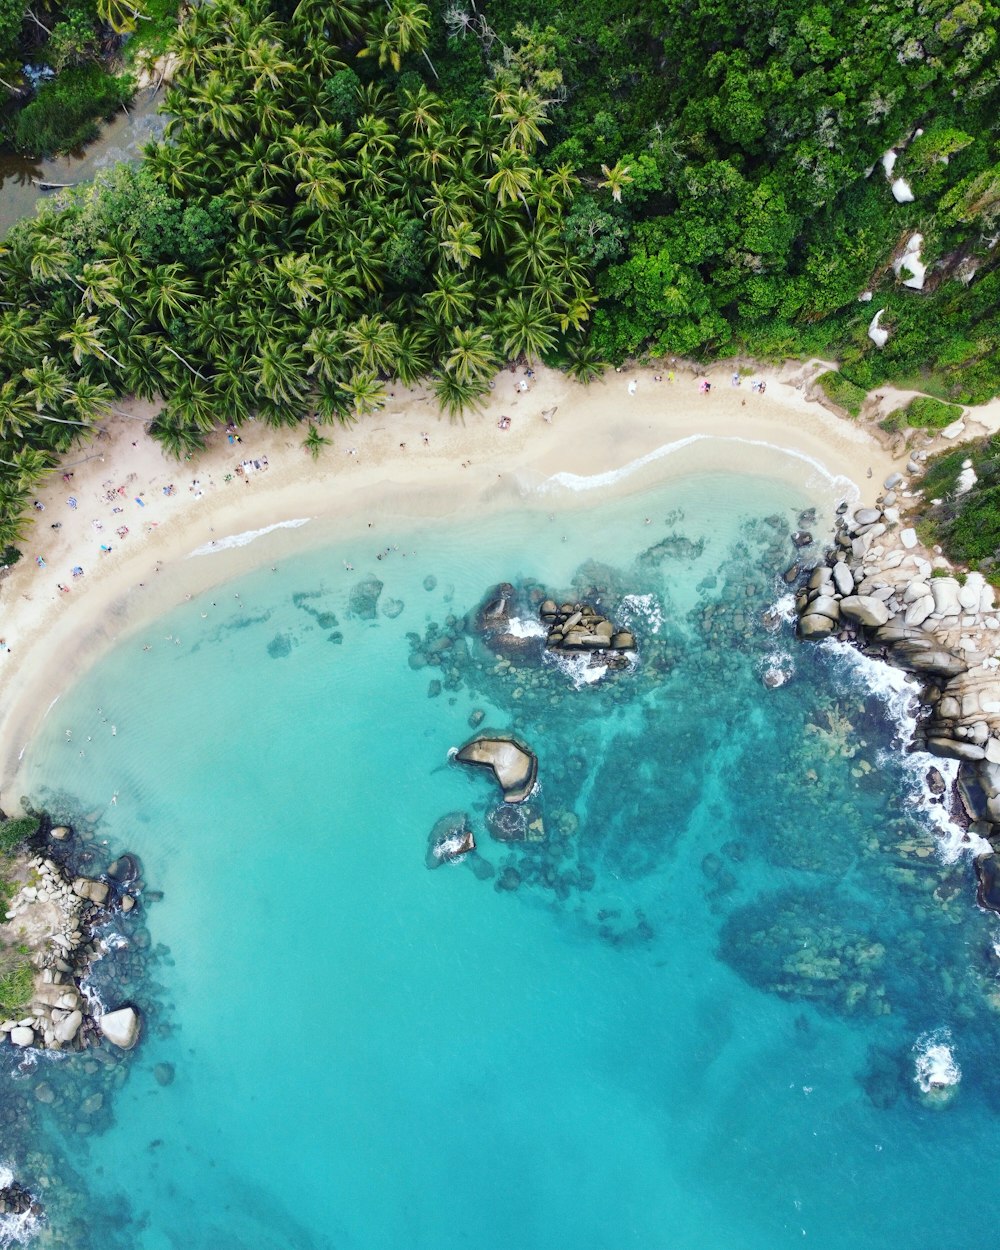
[(686, 1016)]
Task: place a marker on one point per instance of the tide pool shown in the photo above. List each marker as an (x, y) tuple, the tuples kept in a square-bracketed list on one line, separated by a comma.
[(683, 1019)]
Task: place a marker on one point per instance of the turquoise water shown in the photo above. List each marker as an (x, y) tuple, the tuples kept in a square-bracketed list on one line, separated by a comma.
[(689, 1027)]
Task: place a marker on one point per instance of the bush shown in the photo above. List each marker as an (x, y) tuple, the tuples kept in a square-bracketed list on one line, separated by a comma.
[(930, 414), (9, 556), (65, 112), (16, 988), (842, 392), (14, 832)]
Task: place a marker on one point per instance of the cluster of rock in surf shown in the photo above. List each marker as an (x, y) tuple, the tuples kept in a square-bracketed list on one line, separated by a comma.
[(579, 627), (57, 915), (880, 587)]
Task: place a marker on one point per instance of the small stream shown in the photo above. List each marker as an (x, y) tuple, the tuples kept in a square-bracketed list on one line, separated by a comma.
[(121, 139)]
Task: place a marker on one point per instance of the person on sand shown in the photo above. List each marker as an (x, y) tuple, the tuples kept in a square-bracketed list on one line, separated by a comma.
[(633, 386), (763, 388)]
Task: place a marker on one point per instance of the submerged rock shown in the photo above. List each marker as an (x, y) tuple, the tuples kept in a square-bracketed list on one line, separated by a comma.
[(449, 840), (514, 766), (363, 600)]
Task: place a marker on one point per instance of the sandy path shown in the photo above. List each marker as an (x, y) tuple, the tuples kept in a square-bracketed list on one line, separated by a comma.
[(400, 463)]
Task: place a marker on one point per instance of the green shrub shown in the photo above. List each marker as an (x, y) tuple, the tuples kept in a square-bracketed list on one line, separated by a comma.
[(930, 414), (9, 556), (14, 832), (16, 988), (842, 392), (65, 112)]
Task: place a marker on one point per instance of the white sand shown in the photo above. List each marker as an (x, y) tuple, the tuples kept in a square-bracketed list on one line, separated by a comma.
[(557, 427)]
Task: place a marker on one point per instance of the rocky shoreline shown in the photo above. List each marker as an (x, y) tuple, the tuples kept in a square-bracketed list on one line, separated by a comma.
[(82, 935), (881, 589)]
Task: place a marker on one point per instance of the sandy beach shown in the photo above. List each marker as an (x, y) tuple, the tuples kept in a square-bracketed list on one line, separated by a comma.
[(130, 518)]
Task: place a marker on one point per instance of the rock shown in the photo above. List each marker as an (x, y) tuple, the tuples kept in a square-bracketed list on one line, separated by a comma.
[(93, 891), (164, 1074), (67, 1029), (935, 782), (128, 902), (892, 481), (125, 869), (509, 879), (21, 1035), (813, 626), (843, 579), (61, 833), (819, 577), (514, 767), (867, 516), (988, 872), (919, 611), (791, 574), (93, 1104), (392, 608), (915, 590), (970, 594), (908, 538), (45, 1093), (923, 655), (623, 641), (450, 839), (864, 609), (363, 600), (825, 605), (945, 592), (802, 538), (121, 1027), (495, 611), (948, 748), (430, 582)]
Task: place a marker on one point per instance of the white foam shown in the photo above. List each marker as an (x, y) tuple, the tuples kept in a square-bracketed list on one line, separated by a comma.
[(783, 609), (577, 482), (450, 848), (15, 1230), (644, 608), (578, 668), (526, 627), (901, 696), (247, 537), (934, 1064), (776, 669)]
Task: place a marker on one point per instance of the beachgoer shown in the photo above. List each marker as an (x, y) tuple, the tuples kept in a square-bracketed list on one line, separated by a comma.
[(633, 386), (670, 376), (763, 387), (736, 379)]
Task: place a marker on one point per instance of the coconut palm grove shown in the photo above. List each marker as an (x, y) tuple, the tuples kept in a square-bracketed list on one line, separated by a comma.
[(353, 192)]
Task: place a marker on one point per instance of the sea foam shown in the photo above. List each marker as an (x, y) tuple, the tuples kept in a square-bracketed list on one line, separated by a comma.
[(900, 693), (247, 537), (578, 482)]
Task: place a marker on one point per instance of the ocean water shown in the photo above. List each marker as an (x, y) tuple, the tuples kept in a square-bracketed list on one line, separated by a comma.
[(688, 1016)]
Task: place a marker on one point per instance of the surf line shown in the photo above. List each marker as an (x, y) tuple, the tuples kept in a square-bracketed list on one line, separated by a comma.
[(574, 481), (247, 537)]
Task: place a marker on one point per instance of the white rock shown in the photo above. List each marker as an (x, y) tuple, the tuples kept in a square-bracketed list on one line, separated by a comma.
[(969, 595), (915, 591), (121, 1027), (991, 622), (987, 598), (67, 1029), (919, 611), (889, 159), (945, 592), (965, 481), (22, 1035), (865, 297), (842, 578), (901, 192), (908, 538), (910, 259), (891, 515), (893, 560), (955, 429), (865, 609), (875, 332)]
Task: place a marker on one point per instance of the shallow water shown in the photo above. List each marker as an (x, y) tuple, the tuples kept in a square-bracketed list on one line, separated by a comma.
[(689, 1025)]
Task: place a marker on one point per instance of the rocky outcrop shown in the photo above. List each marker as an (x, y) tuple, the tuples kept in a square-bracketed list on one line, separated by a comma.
[(574, 627), (449, 840), (55, 916), (880, 588), (514, 766)]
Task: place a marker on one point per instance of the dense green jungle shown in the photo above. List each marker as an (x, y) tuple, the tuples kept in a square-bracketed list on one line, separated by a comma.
[(351, 192)]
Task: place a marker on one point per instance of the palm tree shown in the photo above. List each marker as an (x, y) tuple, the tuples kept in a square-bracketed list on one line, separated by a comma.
[(405, 30), (455, 395), (314, 441), (615, 178), (365, 392), (373, 342), (524, 113), (472, 356), (527, 329), (176, 439), (84, 340), (512, 177), (451, 299), (584, 364)]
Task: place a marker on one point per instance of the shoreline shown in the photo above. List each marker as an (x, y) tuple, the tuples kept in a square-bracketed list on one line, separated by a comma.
[(619, 435)]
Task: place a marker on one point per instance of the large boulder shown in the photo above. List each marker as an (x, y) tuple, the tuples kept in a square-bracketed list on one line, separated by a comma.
[(865, 609), (93, 891), (121, 1027), (924, 655), (514, 766), (450, 839), (843, 578), (67, 1029), (945, 592), (814, 626), (988, 872), (825, 605)]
